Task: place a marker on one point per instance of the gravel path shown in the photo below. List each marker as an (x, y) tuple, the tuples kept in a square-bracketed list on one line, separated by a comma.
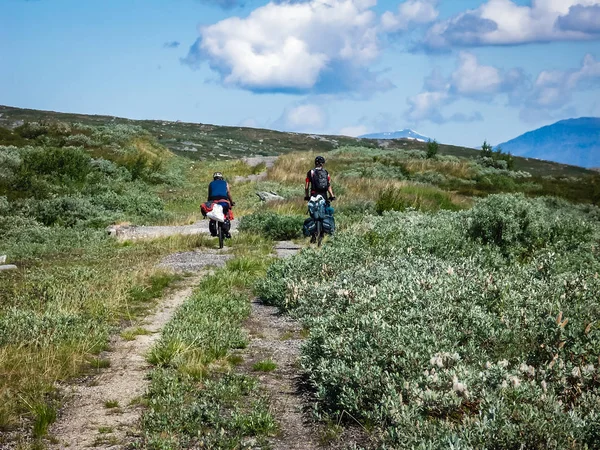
[(133, 232)]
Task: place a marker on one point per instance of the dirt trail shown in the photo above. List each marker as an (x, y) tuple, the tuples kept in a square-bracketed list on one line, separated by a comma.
[(276, 337), (86, 421)]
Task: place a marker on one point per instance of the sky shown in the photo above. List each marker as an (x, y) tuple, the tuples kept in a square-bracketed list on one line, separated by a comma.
[(459, 71)]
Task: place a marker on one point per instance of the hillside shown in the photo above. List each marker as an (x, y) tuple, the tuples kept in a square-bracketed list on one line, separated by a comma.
[(474, 286), (572, 141), (204, 141)]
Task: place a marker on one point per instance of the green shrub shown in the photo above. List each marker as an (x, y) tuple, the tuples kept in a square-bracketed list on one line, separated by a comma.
[(436, 341), (516, 224), (272, 225), (432, 148)]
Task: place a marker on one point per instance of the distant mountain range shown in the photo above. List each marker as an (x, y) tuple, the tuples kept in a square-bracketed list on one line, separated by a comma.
[(571, 141), (402, 134)]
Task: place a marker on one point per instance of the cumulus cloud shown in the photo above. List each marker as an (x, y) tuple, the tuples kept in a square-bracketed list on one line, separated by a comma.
[(554, 89), (409, 13), (354, 130), (504, 22), (581, 18), (306, 117), (316, 46), (547, 96), (426, 106), (470, 79)]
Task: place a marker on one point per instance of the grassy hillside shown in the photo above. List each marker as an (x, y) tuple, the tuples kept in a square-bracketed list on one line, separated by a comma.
[(64, 177), (201, 141)]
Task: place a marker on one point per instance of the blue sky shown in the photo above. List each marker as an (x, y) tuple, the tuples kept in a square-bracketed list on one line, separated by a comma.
[(460, 71)]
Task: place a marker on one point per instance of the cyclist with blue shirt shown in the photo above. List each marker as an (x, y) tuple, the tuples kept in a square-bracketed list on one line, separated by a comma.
[(219, 192)]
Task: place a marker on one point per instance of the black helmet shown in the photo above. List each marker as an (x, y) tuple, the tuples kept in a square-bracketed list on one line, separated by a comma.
[(217, 176), (319, 160)]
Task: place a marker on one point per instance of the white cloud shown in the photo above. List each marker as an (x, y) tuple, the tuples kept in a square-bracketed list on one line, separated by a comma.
[(502, 22), (426, 106), (550, 94), (554, 89), (249, 123), (311, 46), (470, 79), (356, 130), (306, 117), (410, 12)]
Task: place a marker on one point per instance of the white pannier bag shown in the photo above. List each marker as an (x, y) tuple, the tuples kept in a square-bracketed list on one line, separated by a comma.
[(216, 213)]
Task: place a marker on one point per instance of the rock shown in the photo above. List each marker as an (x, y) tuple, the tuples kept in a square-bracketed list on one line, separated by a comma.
[(8, 267), (116, 230), (2, 259), (269, 196)]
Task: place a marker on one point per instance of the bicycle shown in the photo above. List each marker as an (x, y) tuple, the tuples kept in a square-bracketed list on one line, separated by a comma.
[(217, 225), (319, 210)]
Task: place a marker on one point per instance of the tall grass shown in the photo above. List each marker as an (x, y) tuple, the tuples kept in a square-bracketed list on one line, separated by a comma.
[(57, 314)]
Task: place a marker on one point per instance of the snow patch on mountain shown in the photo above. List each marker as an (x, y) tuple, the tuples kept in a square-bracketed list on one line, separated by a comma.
[(406, 133)]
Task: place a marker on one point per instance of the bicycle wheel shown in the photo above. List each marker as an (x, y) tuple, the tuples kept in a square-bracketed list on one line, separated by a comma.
[(319, 232), (220, 233)]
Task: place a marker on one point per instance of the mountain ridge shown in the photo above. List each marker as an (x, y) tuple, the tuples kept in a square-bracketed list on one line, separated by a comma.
[(573, 141)]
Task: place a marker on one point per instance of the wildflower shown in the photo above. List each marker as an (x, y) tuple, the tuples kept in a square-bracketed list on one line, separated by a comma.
[(515, 381), (576, 372), (544, 386), (588, 369), (529, 370), (488, 365), (437, 361), (503, 363), (450, 271), (458, 387)]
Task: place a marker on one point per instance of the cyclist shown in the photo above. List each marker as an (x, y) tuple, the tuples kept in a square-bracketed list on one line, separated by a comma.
[(219, 192), (318, 181)]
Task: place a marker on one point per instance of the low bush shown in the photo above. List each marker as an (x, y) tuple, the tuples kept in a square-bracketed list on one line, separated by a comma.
[(432, 339), (272, 225), (517, 225)]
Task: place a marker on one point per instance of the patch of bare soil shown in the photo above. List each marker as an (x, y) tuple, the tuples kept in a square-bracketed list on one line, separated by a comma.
[(103, 412)]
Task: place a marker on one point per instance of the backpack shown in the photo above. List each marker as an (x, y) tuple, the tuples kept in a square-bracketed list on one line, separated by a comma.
[(316, 208), (319, 180)]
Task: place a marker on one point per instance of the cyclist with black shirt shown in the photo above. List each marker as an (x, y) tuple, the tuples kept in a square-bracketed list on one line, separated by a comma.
[(318, 181)]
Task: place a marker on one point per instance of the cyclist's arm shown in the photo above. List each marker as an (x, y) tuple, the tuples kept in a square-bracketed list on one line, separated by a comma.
[(329, 189), (229, 194), (307, 185)]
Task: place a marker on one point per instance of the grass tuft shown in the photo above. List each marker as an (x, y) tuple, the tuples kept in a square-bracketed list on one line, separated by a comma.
[(267, 365)]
